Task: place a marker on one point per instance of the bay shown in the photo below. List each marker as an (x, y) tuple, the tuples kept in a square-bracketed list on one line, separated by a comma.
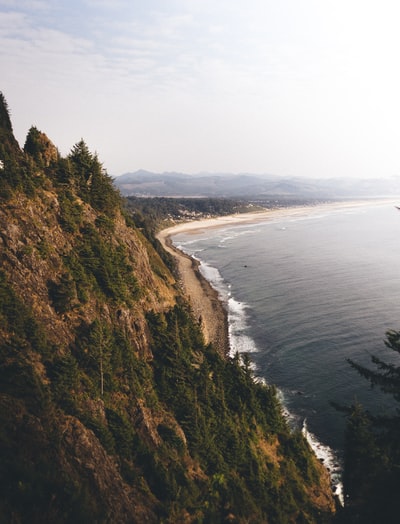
[(304, 294)]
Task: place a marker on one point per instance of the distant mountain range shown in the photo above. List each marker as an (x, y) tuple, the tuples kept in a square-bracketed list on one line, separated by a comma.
[(247, 185)]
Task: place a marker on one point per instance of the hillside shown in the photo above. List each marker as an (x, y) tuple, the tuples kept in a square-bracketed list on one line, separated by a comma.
[(112, 407), (249, 186)]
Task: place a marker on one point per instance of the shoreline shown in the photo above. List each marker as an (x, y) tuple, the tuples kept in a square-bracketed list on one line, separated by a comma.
[(206, 303), (264, 216), (204, 300), (219, 318)]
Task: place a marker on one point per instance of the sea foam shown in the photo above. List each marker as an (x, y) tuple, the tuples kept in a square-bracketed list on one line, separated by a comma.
[(241, 342), (238, 325), (329, 459)]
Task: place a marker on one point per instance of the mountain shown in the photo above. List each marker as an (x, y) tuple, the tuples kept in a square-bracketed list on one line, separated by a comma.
[(250, 186), (112, 407)]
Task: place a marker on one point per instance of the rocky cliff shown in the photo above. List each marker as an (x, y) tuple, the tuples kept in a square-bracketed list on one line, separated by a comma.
[(112, 407)]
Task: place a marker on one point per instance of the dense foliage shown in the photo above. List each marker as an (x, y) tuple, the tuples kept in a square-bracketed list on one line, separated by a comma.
[(150, 213), (112, 408), (224, 412)]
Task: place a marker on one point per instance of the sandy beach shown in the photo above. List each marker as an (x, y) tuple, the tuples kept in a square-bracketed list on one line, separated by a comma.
[(203, 298)]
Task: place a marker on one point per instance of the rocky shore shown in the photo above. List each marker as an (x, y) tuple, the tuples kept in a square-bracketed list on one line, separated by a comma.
[(203, 298)]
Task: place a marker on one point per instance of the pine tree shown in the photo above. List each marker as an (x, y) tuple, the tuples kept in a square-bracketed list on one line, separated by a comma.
[(93, 183), (5, 121), (372, 452)]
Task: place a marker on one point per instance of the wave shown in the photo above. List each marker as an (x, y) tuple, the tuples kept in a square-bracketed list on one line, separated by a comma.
[(236, 232), (216, 280), (238, 324), (241, 342), (325, 454), (187, 243), (329, 459)]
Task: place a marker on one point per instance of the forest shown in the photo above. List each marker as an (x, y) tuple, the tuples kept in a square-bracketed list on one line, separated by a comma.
[(112, 407)]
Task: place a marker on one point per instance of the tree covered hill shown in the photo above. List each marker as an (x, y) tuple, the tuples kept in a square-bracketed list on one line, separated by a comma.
[(112, 407)]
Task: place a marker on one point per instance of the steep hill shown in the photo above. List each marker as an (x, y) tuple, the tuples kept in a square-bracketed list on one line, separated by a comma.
[(112, 407)]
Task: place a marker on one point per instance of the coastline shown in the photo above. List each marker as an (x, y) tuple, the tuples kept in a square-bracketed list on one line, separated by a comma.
[(220, 316), (204, 299), (269, 214)]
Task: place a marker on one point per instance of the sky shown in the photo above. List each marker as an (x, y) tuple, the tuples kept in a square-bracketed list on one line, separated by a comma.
[(306, 88)]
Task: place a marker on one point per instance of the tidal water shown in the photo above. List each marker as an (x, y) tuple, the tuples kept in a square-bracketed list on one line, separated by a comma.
[(305, 293)]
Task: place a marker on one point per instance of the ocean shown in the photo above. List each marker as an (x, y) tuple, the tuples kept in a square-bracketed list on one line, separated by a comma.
[(304, 293)]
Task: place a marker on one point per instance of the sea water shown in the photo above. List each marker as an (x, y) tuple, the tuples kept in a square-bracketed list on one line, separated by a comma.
[(304, 294)]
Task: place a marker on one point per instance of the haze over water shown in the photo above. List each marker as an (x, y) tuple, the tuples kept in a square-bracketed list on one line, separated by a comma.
[(306, 293)]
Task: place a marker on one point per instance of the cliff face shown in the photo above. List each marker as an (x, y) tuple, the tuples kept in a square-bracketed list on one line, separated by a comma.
[(112, 407), (35, 248)]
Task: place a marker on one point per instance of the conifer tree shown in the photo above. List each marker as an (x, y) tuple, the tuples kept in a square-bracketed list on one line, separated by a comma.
[(5, 121), (372, 451), (94, 184)]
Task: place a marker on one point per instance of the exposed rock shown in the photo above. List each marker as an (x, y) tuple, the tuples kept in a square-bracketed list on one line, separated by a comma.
[(40, 147), (83, 453)]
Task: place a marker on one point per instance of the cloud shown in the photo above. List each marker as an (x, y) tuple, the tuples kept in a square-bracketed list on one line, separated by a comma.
[(22, 5), (206, 80), (159, 49)]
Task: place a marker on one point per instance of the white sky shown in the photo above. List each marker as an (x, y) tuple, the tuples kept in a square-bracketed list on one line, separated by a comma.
[(287, 87)]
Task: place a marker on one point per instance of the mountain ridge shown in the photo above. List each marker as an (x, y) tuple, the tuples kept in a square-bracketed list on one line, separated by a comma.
[(248, 185), (113, 409)]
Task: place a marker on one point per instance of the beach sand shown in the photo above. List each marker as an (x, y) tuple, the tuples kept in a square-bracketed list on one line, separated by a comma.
[(203, 298)]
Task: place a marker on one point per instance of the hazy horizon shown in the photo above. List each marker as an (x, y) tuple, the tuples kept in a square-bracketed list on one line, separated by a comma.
[(305, 89), (248, 173)]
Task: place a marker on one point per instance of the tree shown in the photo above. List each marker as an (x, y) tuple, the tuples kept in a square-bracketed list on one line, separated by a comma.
[(5, 121), (82, 160), (372, 453), (387, 376), (100, 339), (40, 148), (93, 354), (94, 184)]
